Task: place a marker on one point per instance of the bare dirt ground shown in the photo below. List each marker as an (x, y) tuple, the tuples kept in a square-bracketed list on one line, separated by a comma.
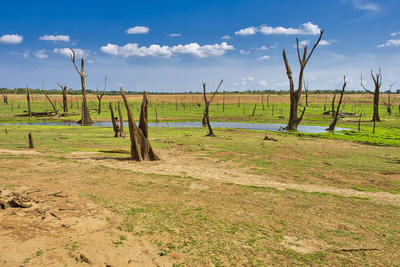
[(46, 223)]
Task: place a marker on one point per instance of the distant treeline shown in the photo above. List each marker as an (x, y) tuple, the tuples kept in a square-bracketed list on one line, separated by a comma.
[(19, 91)]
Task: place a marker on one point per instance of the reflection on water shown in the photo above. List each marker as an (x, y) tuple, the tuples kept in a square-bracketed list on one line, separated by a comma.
[(229, 125)]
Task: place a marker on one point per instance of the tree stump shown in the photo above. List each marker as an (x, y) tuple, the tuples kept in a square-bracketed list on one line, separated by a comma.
[(141, 149)]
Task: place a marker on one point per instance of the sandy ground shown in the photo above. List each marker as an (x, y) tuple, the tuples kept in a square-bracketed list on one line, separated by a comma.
[(42, 227)]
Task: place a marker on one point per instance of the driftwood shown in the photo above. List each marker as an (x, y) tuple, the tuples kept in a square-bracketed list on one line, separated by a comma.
[(38, 114), (354, 249), (266, 138)]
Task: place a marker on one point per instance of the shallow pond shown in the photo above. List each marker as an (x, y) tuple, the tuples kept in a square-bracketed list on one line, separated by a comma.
[(229, 125)]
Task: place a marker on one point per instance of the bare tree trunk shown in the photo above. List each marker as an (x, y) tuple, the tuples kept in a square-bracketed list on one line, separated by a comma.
[(28, 98), (65, 102), (333, 107), (102, 94), (141, 149), (294, 120), (30, 140), (121, 122), (85, 119), (333, 124), (114, 122), (5, 98), (377, 83), (51, 102), (206, 118), (306, 91)]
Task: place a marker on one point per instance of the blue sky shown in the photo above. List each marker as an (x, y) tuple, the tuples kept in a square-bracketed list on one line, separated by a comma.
[(174, 46)]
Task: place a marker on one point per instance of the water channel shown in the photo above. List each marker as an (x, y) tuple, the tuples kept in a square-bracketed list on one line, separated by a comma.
[(228, 125)]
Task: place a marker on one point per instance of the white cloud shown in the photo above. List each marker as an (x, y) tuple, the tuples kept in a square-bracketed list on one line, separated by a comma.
[(194, 49), (263, 47), (308, 29), (395, 33), (391, 43), (24, 54), (244, 52), (11, 39), (226, 37), (324, 42), (263, 83), (248, 79), (67, 52), (41, 54), (247, 31), (174, 35), (361, 5), (55, 38), (138, 30), (264, 57), (303, 43)]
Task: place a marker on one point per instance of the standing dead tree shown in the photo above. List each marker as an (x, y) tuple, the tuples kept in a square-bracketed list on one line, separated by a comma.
[(28, 98), (294, 120), (51, 102), (65, 102), (377, 82), (333, 124), (388, 105), (306, 91), (85, 119), (121, 122), (5, 98), (206, 117), (333, 107), (141, 149), (114, 121), (101, 95)]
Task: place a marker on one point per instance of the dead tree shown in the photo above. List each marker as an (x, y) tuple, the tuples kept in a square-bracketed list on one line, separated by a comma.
[(85, 119), (28, 98), (121, 122), (5, 98), (141, 149), (114, 121), (101, 95), (294, 120), (206, 117), (333, 124), (333, 107), (306, 91), (30, 140), (65, 102), (388, 105), (51, 102), (377, 82)]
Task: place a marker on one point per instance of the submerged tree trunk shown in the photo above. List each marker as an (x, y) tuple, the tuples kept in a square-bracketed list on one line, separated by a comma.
[(294, 119), (141, 149), (333, 124), (85, 119)]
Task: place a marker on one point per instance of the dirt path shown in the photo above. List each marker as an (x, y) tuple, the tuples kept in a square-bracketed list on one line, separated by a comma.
[(175, 162)]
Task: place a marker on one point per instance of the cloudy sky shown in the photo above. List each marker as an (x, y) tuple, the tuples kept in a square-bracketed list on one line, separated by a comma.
[(174, 46)]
